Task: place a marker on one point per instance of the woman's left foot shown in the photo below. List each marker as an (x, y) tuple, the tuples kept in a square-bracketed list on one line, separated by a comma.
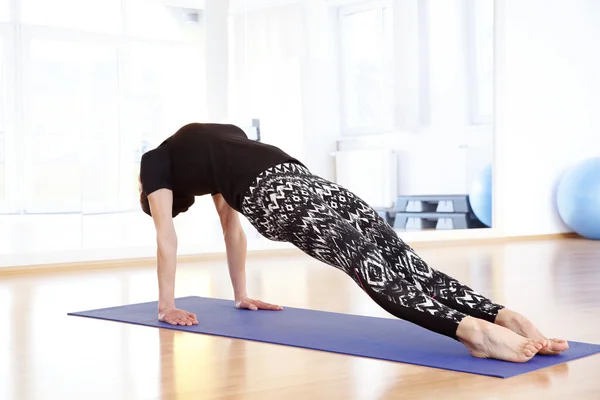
[(522, 326)]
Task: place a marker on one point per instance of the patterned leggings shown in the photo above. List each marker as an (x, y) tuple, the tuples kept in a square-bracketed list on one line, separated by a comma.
[(288, 203)]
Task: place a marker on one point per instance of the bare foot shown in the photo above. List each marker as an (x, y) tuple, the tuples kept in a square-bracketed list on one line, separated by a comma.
[(486, 340), (522, 326)]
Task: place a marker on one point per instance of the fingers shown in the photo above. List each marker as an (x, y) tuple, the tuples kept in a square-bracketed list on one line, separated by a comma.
[(179, 321), (267, 306), (182, 318), (255, 305), (192, 317)]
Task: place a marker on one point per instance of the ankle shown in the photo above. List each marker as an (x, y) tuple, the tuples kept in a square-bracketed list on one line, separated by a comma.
[(501, 316), (469, 328), (505, 316)]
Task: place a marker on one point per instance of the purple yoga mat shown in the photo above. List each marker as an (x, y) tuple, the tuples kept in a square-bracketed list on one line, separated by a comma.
[(379, 338)]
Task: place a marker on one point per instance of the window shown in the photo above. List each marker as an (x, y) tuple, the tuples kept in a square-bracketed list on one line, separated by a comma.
[(153, 19), (88, 15), (367, 68), (100, 82), (165, 90), (446, 54), (3, 138), (4, 10), (2, 170), (71, 124), (481, 22), (267, 49)]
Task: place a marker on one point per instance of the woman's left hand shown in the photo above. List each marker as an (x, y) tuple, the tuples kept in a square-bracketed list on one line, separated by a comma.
[(254, 305)]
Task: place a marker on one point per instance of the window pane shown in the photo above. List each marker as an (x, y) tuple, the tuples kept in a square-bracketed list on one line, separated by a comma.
[(388, 68), (484, 57), (153, 19), (268, 76), (2, 170), (362, 68), (3, 144), (165, 90), (4, 10), (89, 15), (71, 122)]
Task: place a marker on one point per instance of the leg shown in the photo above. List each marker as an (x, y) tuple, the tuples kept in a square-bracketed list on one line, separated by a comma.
[(437, 284), (442, 287), (285, 208), (289, 205)]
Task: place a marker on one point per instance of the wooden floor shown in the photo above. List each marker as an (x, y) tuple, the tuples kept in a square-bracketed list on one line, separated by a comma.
[(45, 354)]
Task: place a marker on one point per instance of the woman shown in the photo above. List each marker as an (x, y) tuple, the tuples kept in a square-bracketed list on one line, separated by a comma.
[(285, 202)]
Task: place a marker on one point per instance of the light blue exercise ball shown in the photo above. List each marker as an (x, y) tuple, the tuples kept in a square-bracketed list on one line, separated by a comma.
[(578, 198), (480, 196)]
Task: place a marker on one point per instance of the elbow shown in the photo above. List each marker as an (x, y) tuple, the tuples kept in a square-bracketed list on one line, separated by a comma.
[(234, 235)]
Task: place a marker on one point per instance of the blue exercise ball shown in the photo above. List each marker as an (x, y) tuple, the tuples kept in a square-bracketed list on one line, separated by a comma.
[(480, 196), (578, 198)]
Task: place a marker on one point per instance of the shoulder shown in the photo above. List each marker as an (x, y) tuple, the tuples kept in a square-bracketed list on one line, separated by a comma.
[(155, 169), (155, 154)]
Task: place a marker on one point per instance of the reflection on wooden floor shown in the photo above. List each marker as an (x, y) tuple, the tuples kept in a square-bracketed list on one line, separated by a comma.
[(48, 355)]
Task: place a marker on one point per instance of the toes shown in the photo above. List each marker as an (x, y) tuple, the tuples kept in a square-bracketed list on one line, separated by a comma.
[(548, 352), (532, 348), (560, 343), (536, 345)]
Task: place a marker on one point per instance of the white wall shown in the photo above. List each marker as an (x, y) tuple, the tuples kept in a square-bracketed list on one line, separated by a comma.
[(547, 106)]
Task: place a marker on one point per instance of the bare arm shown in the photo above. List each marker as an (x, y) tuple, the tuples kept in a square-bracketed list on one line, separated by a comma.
[(161, 202), (236, 247)]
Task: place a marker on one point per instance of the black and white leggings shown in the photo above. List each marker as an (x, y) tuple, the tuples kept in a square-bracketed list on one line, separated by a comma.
[(288, 203)]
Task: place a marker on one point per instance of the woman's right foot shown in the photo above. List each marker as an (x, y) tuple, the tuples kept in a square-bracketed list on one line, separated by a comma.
[(522, 326), (486, 340)]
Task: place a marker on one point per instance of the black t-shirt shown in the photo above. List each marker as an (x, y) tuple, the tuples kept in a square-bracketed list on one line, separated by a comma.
[(201, 159)]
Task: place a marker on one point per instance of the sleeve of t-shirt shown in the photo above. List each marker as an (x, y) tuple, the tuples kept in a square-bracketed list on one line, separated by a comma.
[(155, 170)]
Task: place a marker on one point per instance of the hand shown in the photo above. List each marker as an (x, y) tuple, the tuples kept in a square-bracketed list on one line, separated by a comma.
[(175, 316), (254, 305)]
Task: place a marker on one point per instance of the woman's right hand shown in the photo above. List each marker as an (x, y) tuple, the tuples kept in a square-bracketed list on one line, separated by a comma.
[(175, 316)]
